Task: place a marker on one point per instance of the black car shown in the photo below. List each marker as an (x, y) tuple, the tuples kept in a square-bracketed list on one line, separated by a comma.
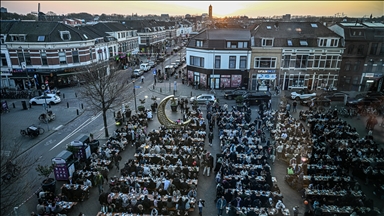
[(255, 98), (335, 96), (318, 101), (234, 93), (364, 101)]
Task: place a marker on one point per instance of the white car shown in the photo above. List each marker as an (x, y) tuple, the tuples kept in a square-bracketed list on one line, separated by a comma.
[(203, 98), (302, 95), (49, 99)]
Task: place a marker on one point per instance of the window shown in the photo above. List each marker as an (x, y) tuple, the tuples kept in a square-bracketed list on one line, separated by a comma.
[(20, 56), (1, 39), (380, 67), (3, 60), (269, 27), (199, 43), (233, 44), (18, 38), (301, 61), (44, 60), (267, 42), (373, 49), (322, 42), (75, 56), (217, 61), (347, 66), (287, 59), (289, 41), (267, 62), (314, 25), (232, 61), (356, 66), (334, 42), (303, 43), (65, 35), (243, 62), (360, 50), (240, 44), (197, 61), (27, 57), (91, 54), (350, 49), (62, 58), (40, 38), (382, 49)]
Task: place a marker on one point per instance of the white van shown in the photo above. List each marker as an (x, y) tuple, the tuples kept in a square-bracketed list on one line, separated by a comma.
[(145, 67)]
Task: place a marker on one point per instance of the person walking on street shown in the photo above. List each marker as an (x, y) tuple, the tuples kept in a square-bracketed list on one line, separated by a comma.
[(201, 204), (210, 137), (221, 204), (99, 181), (294, 105), (117, 160), (142, 79)]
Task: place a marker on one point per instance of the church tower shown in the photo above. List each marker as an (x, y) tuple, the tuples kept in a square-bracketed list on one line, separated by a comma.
[(210, 12)]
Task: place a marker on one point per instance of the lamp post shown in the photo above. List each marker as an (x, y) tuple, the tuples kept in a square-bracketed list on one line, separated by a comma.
[(46, 109), (134, 94), (24, 65), (213, 72)]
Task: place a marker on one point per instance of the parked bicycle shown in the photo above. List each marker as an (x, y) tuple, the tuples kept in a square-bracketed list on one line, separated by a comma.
[(32, 131)]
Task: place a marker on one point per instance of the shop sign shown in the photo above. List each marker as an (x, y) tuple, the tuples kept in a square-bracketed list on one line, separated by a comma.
[(266, 76), (369, 74), (266, 71), (17, 70)]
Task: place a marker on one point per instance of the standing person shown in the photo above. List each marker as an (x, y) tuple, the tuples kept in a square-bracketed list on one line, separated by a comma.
[(273, 155), (279, 151), (221, 204), (294, 105), (210, 137), (99, 181), (117, 160), (288, 107), (201, 204), (142, 79)]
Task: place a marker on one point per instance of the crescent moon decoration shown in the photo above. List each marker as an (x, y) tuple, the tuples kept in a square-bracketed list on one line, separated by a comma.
[(163, 118)]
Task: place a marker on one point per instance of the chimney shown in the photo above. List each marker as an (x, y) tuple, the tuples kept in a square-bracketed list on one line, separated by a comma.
[(38, 8)]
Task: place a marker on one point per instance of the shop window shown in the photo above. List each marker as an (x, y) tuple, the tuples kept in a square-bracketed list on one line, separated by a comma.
[(62, 58), (232, 62), (265, 62), (243, 62), (44, 60), (217, 61), (75, 56), (3, 60)]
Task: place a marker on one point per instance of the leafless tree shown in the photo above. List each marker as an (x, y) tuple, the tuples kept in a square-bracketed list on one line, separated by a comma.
[(105, 87), (15, 189)]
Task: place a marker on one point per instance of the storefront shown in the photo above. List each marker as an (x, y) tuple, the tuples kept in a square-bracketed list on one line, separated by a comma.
[(261, 79), (217, 81), (370, 80)]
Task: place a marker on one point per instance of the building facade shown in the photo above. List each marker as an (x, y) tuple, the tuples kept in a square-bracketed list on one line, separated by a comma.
[(219, 58), (362, 64), (295, 55)]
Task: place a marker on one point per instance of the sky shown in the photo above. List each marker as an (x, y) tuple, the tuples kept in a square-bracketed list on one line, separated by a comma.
[(220, 8)]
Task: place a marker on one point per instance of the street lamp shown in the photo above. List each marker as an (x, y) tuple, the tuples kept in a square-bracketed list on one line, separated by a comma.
[(134, 94), (46, 109), (24, 65)]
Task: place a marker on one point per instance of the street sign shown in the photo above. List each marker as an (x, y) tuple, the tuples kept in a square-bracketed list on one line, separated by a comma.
[(137, 86)]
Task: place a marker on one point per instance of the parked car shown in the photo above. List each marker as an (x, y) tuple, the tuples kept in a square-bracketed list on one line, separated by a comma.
[(137, 73), (49, 99), (203, 98), (318, 101), (335, 96), (145, 67), (256, 98), (152, 64), (234, 93), (302, 95), (364, 101), (378, 95)]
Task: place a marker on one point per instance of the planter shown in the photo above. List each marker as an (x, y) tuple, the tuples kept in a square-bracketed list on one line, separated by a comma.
[(174, 108), (49, 184), (141, 108)]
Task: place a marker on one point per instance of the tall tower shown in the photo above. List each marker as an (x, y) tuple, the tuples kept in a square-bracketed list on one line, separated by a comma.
[(210, 12)]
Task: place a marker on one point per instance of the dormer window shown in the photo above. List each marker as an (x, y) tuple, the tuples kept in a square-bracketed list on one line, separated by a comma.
[(199, 43), (289, 41), (303, 43), (65, 35), (19, 38), (267, 42), (41, 38)]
